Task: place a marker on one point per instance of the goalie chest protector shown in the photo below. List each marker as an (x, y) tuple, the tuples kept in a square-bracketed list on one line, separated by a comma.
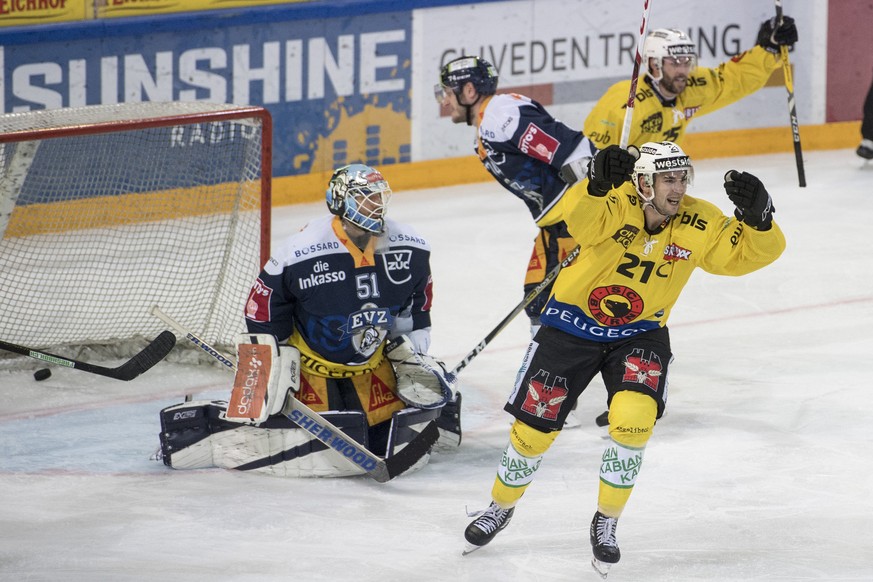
[(342, 303)]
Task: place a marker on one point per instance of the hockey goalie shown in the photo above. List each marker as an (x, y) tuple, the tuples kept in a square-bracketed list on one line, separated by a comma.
[(339, 319)]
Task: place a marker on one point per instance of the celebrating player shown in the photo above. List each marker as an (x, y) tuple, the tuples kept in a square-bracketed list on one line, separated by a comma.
[(348, 298), (674, 89), (608, 313)]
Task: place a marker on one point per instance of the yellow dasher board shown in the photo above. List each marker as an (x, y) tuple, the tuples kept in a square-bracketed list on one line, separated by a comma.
[(118, 8), (28, 12)]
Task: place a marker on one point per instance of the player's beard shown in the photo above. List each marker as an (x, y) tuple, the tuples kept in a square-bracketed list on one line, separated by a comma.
[(675, 84)]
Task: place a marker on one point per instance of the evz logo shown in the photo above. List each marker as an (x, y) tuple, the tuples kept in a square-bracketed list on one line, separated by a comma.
[(397, 266), (367, 328)]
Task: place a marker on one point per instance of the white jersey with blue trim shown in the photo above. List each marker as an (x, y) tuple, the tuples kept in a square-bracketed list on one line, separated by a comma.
[(342, 302)]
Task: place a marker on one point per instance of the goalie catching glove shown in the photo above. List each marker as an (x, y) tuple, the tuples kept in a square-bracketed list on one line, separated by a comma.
[(422, 380), (265, 372)]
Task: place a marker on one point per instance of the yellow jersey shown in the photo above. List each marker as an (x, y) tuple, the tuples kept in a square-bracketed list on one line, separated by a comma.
[(626, 280), (655, 119)]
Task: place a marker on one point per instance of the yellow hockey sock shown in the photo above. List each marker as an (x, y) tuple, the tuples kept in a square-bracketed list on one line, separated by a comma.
[(521, 459), (631, 420)]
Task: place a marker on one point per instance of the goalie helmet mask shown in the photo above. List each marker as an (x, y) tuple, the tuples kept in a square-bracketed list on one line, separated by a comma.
[(359, 194), (658, 157), (668, 42), (458, 72)]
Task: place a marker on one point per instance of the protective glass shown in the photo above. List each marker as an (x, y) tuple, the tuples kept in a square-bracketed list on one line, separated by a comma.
[(689, 61), (685, 176), (440, 91)]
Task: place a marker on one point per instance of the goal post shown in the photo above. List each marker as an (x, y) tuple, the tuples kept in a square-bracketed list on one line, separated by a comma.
[(108, 210)]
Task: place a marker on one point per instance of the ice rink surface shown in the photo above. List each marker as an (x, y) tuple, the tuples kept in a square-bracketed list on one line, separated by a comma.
[(759, 471)]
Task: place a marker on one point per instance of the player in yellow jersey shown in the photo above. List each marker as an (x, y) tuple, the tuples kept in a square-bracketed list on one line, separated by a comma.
[(608, 313), (674, 89)]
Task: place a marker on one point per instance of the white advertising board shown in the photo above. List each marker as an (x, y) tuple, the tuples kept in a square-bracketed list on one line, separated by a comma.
[(572, 50)]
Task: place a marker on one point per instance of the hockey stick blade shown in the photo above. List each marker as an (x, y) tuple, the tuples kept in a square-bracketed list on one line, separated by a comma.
[(414, 450), (375, 467), (153, 353)]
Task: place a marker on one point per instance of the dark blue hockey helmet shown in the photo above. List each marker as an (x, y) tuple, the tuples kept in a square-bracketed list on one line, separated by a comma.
[(457, 72), (358, 193)]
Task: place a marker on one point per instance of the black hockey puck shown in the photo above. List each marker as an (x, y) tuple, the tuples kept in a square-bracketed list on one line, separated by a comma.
[(42, 374)]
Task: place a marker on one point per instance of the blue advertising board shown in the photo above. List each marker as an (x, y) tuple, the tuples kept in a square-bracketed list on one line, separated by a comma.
[(338, 88)]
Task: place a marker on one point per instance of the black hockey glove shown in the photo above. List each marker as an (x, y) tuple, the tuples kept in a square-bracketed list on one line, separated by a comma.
[(771, 37), (610, 168), (753, 204)]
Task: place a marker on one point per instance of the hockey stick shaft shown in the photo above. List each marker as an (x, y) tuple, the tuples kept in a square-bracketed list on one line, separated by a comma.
[(153, 353), (638, 59), (180, 329), (381, 470), (792, 107), (534, 293)]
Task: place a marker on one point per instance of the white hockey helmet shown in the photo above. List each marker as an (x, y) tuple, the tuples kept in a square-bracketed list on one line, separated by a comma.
[(668, 42), (358, 193), (657, 157)]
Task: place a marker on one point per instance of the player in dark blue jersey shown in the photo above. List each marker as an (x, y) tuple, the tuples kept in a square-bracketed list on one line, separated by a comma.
[(338, 292), (529, 152)]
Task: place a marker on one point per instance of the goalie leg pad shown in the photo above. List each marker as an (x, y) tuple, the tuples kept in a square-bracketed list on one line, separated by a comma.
[(186, 433), (194, 435), (280, 448)]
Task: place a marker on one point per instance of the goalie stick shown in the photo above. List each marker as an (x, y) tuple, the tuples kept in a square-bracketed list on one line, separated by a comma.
[(382, 470), (547, 280), (153, 353)]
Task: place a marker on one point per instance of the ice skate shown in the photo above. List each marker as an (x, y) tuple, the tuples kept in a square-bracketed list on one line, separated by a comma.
[(602, 419), (865, 150), (603, 543), (486, 525)]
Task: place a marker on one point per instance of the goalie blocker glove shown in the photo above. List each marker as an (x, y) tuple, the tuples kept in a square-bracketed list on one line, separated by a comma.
[(753, 203), (422, 380), (772, 37), (265, 373), (610, 168)]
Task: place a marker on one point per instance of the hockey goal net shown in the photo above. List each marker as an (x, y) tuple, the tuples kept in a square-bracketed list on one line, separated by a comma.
[(106, 211)]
